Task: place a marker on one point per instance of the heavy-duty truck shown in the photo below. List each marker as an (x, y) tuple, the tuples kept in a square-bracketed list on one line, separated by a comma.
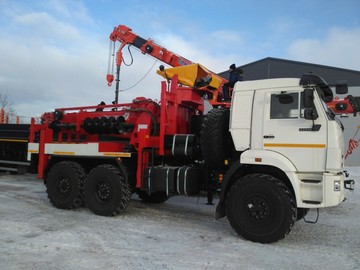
[(272, 154)]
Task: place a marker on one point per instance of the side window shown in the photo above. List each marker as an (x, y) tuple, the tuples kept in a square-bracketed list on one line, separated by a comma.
[(285, 105)]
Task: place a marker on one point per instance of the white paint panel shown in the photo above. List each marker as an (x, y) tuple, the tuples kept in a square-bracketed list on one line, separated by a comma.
[(72, 149), (240, 120)]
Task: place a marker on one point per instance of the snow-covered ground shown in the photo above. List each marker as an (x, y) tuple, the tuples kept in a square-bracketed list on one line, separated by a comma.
[(178, 234)]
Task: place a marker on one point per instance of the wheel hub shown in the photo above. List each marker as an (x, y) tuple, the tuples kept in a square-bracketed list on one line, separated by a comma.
[(103, 191), (258, 208), (64, 185)]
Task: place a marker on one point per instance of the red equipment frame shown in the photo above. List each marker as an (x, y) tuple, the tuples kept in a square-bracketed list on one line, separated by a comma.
[(172, 115)]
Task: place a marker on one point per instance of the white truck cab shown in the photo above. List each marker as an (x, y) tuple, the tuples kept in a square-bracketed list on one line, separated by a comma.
[(289, 143), (271, 115)]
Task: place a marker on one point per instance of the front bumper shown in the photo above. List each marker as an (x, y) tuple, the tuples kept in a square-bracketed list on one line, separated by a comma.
[(325, 190)]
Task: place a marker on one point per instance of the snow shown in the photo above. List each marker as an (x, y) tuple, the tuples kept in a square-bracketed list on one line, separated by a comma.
[(181, 233)]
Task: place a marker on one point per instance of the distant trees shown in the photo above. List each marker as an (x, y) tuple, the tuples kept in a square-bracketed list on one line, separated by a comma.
[(7, 104)]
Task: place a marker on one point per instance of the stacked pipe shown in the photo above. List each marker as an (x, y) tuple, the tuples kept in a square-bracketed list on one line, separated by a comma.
[(4, 118), (107, 125)]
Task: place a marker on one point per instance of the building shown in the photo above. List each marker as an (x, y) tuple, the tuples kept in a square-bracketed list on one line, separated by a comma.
[(279, 68)]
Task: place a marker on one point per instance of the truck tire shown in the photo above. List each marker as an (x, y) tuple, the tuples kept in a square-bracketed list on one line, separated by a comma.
[(261, 208), (107, 192), (65, 185), (215, 138), (156, 197)]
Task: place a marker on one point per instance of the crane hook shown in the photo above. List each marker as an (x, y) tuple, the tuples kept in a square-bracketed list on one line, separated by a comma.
[(110, 79)]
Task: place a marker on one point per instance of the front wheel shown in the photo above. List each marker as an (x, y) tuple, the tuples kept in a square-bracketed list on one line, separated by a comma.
[(261, 208), (107, 192)]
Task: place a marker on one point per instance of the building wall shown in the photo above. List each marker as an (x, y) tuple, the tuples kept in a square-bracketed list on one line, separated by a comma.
[(279, 68), (351, 131)]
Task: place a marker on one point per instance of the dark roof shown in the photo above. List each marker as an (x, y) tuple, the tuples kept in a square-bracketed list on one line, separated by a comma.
[(280, 68)]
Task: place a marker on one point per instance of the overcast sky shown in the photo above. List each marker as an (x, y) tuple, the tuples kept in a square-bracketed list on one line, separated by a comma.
[(54, 53)]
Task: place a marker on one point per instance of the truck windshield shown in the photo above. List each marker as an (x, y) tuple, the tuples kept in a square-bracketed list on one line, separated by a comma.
[(331, 115)]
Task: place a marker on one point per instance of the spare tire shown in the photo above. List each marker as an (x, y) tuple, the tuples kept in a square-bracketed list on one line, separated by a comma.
[(216, 142)]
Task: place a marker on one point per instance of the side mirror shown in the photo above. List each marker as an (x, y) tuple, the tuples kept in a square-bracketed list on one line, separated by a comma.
[(311, 114), (341, 88), (308, 98)]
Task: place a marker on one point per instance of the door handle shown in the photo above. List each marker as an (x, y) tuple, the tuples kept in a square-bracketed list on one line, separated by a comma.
[(269, 136)]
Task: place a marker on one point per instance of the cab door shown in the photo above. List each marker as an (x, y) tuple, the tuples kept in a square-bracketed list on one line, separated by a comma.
[(288, 133)]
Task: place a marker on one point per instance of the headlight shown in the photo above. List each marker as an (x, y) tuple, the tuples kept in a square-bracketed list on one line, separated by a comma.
[(337, 186)]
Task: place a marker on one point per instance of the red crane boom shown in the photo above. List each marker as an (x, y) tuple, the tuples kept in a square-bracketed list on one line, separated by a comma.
[(126, 36)]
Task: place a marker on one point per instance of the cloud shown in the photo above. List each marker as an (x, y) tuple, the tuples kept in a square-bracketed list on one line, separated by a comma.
[(215, 50), (49, 61), (69, 9), (339, 48), (48, 74), (40, 79), (45, 62), (44, 25)]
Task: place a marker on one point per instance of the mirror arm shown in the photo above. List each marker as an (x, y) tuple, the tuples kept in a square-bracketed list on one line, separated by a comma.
[(315, 127)]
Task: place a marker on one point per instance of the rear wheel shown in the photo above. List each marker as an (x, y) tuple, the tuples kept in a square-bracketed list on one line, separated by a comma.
[(107, 192), (261, 208), (65, 185)]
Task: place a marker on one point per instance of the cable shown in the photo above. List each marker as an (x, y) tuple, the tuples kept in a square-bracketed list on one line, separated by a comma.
[(142, 78), (131, 56)]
